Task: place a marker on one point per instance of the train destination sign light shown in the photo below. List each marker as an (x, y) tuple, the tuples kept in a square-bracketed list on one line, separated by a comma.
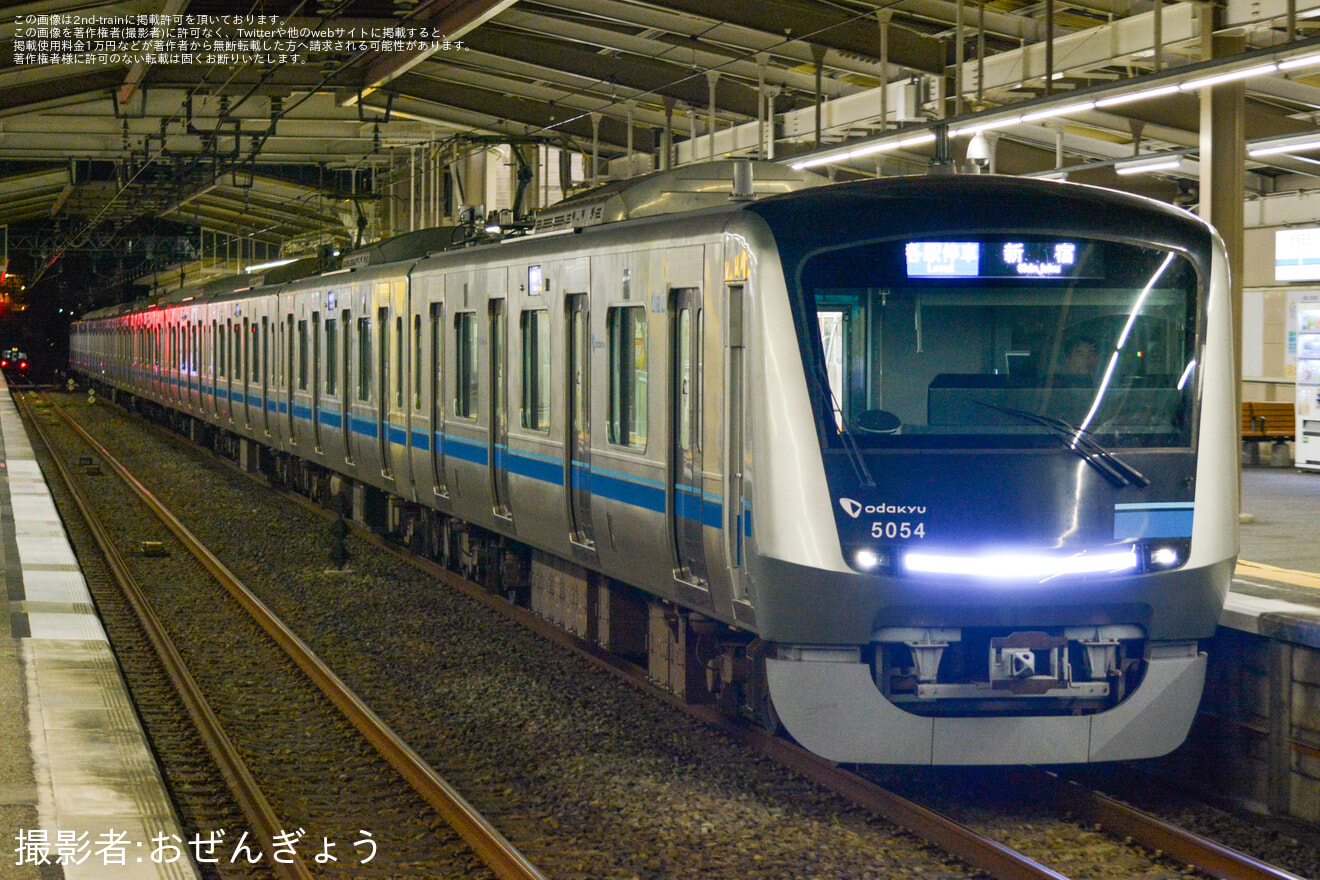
[(1001, 259)]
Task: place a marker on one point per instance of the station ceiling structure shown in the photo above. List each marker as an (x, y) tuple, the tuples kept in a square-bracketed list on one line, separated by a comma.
[(276, 148)]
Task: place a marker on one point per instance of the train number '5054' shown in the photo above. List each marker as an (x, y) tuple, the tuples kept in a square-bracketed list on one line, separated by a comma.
[(898, 530)]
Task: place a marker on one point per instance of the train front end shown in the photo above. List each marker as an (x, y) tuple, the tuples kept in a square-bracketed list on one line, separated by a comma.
[(996, 498)]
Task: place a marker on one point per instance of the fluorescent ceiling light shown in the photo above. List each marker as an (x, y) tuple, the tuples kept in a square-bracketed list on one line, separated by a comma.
[(818, 161), (1305, 60), (271, 265), (923, 138), (884, 146), (1149, 164), (986, 126), (1296, 145), (1193, 84), (1137, 96), (1058, 111)]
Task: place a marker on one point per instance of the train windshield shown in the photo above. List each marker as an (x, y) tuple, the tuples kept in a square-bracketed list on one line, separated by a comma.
[(1002, 342)]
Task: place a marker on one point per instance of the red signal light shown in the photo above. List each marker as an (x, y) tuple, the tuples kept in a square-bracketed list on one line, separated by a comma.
[(4, 363), (22, 365)]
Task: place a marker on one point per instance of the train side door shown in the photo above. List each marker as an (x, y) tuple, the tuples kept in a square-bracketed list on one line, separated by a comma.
[(346, 380), (499, 409), (437, 375), (315, 381), (578, 471), (246, 375), (735, 507), (400, 422), (290, 353), (686, 480), (383, 377), (265, 374)]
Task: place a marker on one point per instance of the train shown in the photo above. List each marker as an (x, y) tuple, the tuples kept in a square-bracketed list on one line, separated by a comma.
[(929, 470)]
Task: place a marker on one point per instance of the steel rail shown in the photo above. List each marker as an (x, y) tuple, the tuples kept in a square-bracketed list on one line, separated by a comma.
[(251, 800), (1152, 832), (997, 860), (486, 841)]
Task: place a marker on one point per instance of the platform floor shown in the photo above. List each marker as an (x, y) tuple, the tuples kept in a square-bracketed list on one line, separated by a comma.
[(80, 793), (1276, 588)]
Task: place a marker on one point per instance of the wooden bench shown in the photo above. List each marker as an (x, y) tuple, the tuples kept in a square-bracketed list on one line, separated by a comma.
[(1268, 422)]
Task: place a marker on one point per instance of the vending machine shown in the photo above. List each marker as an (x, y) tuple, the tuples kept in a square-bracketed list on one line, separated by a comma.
[(1306, 343)]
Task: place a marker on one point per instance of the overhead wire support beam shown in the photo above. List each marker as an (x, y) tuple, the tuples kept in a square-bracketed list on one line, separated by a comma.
[(1303, 54), (138, 71), (453, 18)]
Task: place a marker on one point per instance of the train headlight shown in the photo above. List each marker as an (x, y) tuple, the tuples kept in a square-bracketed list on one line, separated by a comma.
[(1166, 554), (1028, 565), (868, 560)]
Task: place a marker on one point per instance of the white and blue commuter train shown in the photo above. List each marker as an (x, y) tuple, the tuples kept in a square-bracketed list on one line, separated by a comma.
[(946, 465)]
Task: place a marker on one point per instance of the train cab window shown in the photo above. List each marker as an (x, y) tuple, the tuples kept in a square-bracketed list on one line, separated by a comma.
[(331, 354), (466, 373), (364, 359), (302, 355), (534, 329), (998, 341), (628, 376)]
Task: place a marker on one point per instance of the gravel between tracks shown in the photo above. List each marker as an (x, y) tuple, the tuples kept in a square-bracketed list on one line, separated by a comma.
[(589, 777), (324, 781)]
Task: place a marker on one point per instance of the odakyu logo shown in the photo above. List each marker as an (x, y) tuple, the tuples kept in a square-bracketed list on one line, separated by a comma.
[(856, 508)]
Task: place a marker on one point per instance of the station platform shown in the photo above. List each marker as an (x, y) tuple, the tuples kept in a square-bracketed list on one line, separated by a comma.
[(81, 795), (1276, 588)]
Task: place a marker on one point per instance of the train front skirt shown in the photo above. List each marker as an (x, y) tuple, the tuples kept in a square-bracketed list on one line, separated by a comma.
[(835, 710)]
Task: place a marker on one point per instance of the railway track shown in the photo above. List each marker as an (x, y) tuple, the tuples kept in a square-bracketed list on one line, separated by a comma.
[(976, 850), (504, 860)]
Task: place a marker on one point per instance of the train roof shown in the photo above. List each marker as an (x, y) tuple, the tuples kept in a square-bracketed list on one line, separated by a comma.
[(689, 188), (818, 210)]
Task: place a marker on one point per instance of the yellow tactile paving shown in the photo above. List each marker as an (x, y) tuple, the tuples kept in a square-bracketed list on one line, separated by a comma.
[(1262, 571)]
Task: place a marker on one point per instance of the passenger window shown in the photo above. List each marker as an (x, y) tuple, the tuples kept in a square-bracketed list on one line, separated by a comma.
[(417, 362), (628, 376), (302, 355), (236, 357), (398, 362), (364, 359), (331, 354), (465, 357), (535, 332)]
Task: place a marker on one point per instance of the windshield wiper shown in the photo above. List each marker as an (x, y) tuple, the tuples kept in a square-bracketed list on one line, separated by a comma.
[(849, 444), (1117, 471)]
